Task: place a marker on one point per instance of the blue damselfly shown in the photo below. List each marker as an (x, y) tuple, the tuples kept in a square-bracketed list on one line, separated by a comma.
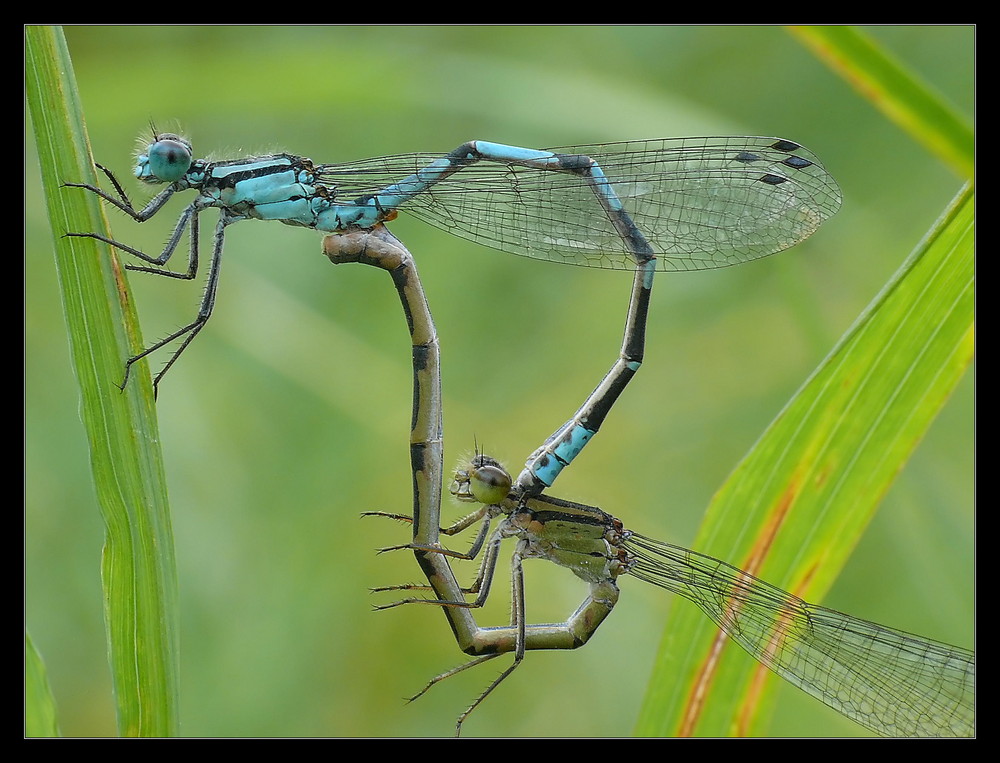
[(669, 204)]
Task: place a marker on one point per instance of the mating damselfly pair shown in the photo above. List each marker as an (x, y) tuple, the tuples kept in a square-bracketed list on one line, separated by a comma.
[(669, 204)]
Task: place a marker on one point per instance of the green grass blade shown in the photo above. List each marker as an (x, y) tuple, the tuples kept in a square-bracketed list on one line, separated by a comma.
[(138, 570), (794, 508), (896, 91), (39, 704)]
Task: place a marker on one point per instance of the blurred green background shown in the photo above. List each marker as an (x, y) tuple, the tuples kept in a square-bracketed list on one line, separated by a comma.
[(289, 415)]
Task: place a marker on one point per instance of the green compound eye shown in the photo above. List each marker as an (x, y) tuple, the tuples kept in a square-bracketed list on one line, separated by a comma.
[(489, 484)]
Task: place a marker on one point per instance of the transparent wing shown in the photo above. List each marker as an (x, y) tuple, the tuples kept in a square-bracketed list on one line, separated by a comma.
[(701, 202), (892, 682)]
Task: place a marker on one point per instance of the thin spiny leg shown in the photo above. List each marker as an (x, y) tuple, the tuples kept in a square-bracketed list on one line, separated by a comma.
[(204, 312), (481, 585), (517, 621)]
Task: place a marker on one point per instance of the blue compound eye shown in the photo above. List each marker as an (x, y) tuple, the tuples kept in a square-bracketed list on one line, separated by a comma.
[(169, 158)]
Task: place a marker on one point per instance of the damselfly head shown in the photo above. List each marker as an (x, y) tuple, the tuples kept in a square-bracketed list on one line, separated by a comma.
[(481, 479), (164, 160)]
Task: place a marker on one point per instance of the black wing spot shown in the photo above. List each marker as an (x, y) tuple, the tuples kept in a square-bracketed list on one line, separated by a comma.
[(773, 179), (797, 162)]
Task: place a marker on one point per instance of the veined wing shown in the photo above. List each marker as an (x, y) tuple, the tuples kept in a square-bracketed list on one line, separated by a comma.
[(892, 682), (700, 202)]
